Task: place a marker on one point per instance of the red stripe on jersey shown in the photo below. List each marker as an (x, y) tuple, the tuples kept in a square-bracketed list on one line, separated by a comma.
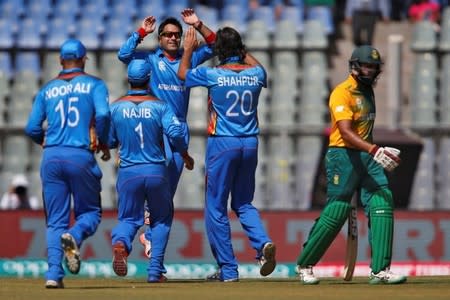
[(137, 98), (92, 136), (235, 67), (70, 75), (212, 118)]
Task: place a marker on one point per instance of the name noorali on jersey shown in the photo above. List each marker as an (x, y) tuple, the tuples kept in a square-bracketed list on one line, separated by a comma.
[(76, 107)]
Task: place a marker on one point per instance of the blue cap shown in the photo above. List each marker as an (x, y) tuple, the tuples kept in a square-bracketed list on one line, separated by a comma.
[(72, 49), (138, 71)]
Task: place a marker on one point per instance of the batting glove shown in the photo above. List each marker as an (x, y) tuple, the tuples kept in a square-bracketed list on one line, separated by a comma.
[(387, 157)]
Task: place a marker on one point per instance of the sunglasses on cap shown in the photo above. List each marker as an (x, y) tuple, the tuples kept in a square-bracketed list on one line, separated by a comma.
[(170, 34)]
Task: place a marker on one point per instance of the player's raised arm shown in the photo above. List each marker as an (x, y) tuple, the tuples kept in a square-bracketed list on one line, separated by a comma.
[(148, 25), (189, 45), (190, 18)]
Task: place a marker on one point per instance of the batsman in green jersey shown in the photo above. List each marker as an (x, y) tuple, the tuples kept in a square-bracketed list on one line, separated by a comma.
[(354, 163)]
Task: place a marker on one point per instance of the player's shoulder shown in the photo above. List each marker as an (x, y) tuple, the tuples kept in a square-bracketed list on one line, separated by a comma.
[(241, 69), (346, 86), (139, 100), (94, 78)]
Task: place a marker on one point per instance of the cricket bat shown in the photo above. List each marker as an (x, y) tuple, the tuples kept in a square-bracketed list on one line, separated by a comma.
[(352, 242)]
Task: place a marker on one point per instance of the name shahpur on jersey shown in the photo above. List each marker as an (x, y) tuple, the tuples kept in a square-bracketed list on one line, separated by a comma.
[(237, 80), (57, 91)]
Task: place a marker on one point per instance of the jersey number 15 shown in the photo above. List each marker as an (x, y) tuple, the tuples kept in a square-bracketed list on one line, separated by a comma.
[(72, 110)]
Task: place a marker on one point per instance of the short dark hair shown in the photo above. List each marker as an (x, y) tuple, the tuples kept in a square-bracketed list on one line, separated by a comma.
[(229, 43), (172, 21), (139, 85)]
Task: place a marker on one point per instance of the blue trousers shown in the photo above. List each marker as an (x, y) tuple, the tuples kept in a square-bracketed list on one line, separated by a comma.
[(230, 168), (65, 173), (174, 170), (136, 186)]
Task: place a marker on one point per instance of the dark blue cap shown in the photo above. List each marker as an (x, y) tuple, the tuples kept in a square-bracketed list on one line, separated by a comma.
[(72, 49), (138, 71)]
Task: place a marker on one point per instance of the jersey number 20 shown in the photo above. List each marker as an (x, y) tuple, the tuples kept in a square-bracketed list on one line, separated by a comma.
[(241, 103)]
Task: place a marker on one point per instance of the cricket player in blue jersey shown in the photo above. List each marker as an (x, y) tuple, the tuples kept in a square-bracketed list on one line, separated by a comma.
[(76, 110), (164, 83), (232, 147), (139, 123)]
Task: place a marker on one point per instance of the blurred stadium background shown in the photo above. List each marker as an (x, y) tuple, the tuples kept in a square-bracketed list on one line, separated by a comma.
[(305, 54)]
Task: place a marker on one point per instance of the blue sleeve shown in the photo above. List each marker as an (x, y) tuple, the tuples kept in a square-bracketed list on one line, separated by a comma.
[(128, 49), (37, 116), (113, 142), (201, 54), (174, 129), (264, 76), (102, 113), (196, 77)]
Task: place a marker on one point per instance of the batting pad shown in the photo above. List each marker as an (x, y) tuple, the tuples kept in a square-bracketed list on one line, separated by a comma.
[(381, 229), (324, 232)]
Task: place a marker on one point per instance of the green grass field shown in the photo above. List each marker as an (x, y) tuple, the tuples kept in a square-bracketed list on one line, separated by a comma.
[(437, 287)]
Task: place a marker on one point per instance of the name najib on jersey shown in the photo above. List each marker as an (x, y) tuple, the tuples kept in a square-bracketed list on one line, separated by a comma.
[(146, 119)]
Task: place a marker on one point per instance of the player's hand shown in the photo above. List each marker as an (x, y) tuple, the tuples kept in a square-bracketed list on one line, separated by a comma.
[(149, 24), (387, 157), (106, 155), (190, 40), (189, 16), (146, 217), (188, 161)]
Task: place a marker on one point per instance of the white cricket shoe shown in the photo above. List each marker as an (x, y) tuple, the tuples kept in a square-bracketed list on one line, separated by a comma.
[(306, 275), (146, 244), (54, 284), (386, 276)]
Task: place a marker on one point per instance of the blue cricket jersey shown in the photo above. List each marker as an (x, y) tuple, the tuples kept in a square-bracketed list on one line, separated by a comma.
[(164, 82), (76, 107), (138, 122), (233, 92)]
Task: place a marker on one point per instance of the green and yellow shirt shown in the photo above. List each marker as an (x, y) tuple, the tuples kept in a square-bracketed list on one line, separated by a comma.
[(354, 102)]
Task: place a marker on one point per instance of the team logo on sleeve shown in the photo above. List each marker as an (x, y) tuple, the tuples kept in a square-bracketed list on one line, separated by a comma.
[(161, 66), (339, 108)]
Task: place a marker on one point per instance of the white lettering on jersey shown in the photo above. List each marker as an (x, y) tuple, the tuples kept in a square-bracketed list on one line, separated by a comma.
[(58, 91), (143, 112), (237, 81), (171, 87)]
